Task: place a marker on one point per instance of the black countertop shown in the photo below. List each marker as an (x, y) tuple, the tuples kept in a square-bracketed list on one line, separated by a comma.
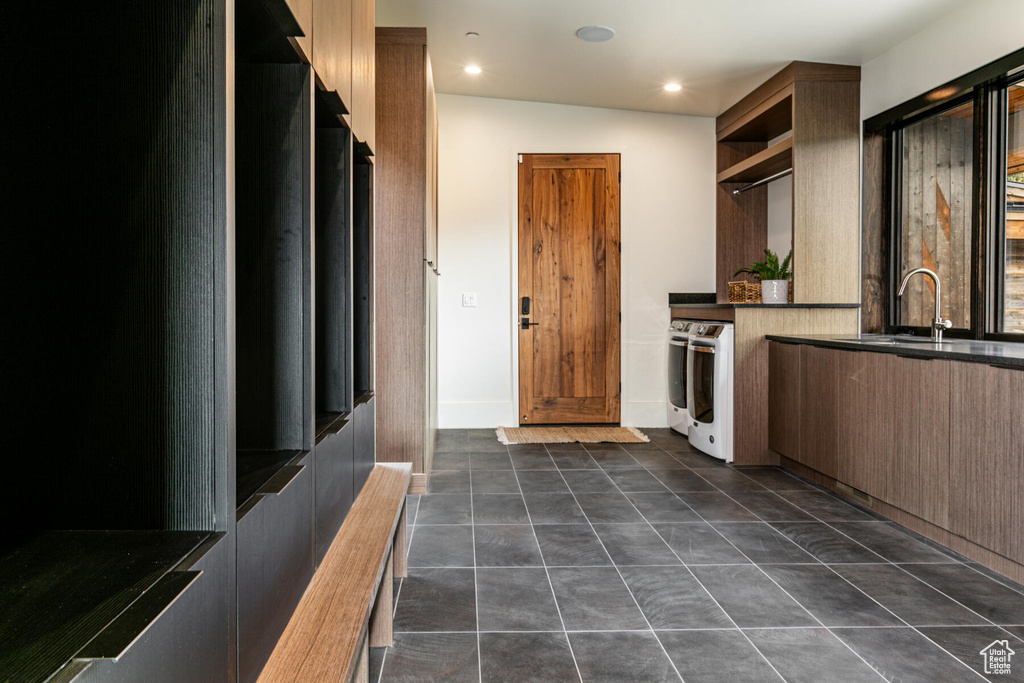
[(725, 306), (1006, 354), (707, 300)]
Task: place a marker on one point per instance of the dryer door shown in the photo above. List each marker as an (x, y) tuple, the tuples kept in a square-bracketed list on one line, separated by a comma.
[(701, 362), (677, 372)]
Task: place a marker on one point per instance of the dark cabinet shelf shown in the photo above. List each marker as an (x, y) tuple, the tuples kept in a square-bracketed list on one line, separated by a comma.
[(256, 468), (767, 121), (59, 589), (775, 159)]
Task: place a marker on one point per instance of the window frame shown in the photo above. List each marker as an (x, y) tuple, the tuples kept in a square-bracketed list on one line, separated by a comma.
[(987, 88)]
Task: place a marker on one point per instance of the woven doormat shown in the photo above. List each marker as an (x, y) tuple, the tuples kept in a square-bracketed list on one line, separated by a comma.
[(517, 435)]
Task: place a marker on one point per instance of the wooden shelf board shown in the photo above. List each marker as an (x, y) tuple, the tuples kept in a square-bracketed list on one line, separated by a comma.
[(776, 158), (770, 119)]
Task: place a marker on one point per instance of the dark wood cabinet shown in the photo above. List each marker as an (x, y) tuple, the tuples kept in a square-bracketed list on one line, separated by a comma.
[(937, 439), (987, 457), (919, 455), (819, 402), (865, 413), (784, 414)]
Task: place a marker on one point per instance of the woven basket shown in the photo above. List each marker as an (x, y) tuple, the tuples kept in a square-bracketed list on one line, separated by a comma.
[(753, 292), (738, 292)]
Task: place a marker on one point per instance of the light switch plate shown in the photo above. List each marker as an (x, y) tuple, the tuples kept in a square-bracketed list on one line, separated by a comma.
[(469, 299)]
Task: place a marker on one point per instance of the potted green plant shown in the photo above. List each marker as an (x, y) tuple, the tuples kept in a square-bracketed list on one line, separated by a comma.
[(774, 277)]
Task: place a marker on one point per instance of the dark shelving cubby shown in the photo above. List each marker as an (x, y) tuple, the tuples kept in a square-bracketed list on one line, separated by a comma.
[(333, 264), (362, 274), (115, 339), (274, 246), (274, 131), (334, 314)]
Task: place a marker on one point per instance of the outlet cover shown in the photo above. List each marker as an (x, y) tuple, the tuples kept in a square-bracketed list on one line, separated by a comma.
[(469, 299)]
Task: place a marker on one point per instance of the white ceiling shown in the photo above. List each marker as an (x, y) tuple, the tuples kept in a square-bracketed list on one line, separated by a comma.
[(717, 49)]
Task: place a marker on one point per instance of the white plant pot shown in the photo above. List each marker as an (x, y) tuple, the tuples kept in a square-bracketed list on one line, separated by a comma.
[(774, 291)]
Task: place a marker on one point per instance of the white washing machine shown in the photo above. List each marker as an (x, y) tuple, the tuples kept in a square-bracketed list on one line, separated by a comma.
[(678, 342), (709, 388)]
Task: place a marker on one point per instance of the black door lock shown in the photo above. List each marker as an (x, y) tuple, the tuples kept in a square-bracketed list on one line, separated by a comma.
[(527, 323), (526, 305)]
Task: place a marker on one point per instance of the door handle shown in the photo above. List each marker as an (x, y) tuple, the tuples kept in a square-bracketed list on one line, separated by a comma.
[(527, 324)]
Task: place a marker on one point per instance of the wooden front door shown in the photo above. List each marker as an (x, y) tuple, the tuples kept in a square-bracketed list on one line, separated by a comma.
[(569, 273)]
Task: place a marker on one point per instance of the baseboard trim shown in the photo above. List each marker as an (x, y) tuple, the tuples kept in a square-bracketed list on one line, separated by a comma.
[(983, 556)]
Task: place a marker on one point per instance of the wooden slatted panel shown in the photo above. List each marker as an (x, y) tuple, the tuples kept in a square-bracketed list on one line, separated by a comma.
[(936, 195), (324, 637)]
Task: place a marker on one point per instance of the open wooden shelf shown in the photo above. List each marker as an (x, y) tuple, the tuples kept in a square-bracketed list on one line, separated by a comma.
[(776, 158), (763, 123)]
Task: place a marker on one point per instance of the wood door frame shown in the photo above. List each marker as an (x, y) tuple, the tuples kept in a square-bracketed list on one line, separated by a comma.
[(514, 258)]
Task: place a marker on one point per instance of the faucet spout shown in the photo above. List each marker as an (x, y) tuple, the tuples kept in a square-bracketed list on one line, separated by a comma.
[(938, 324)]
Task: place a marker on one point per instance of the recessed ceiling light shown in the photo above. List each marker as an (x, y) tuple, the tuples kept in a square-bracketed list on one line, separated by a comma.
[(595, 34), (472, 69), (472, 34), (673, 87)]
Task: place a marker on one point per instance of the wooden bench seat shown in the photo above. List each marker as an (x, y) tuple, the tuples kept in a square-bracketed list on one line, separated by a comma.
[(348, 605)]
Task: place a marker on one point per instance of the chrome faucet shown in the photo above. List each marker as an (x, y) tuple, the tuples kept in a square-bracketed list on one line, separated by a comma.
[(938, 324)]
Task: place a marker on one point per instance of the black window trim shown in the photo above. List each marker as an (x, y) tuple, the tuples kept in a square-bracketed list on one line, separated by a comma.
[(986, 87)]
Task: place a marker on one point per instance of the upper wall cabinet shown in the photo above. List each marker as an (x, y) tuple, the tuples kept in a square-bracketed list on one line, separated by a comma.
[(332, 50), (302, 10), (804, 119), (363, 71)]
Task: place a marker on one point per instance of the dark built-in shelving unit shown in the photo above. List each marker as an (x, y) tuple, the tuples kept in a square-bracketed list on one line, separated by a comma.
[(335, 447), (186, 339), (275, 321), (115, 345)]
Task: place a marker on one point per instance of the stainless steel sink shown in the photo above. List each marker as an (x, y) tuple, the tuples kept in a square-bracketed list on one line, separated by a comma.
[(897, 339)]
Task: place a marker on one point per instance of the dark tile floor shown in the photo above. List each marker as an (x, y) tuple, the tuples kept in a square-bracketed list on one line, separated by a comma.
[(653, 562)]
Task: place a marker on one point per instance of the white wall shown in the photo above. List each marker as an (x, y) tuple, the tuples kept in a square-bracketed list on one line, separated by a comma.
[(976, 34), (780, 216), (668, 242)]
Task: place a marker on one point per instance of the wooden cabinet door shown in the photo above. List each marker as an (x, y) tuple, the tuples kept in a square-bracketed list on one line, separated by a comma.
[(364, 71), (987, 457), (919, 455), (332, 50), (784, 412), (865, 420), (302, 10), (819, 402), (430, 234)]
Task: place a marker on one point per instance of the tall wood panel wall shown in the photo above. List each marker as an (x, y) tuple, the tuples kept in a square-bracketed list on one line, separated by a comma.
[(406, 280)]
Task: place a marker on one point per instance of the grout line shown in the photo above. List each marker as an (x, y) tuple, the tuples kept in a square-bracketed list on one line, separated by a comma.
[(699, 583), (476, 586), (857, 588), (734, 496), (623, 580), (551, 585)]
